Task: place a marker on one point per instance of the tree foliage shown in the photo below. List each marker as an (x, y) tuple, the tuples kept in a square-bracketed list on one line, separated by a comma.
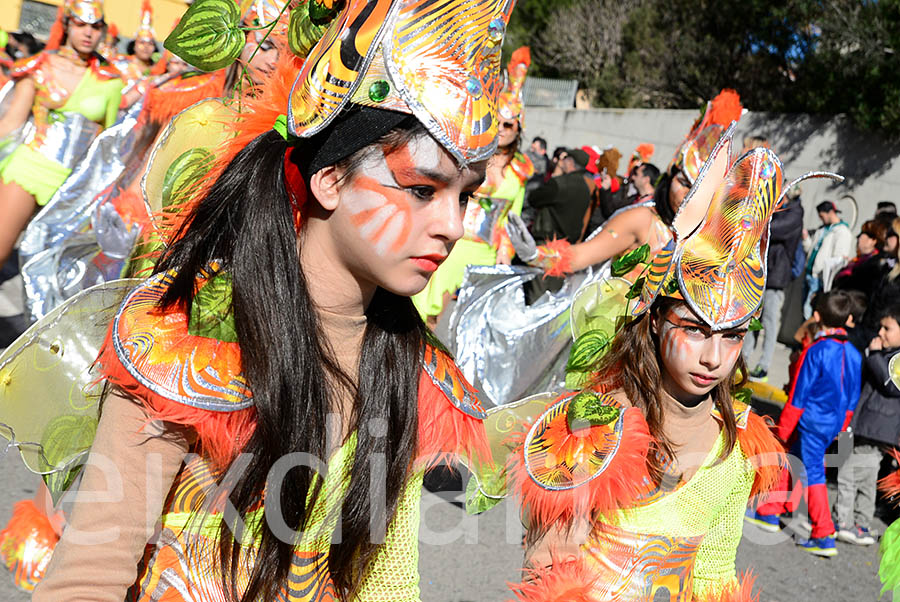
[(833, 56)]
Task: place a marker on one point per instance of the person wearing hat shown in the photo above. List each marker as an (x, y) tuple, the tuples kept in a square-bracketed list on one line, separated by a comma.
[(827, 251), (71, 93), (561, 205)]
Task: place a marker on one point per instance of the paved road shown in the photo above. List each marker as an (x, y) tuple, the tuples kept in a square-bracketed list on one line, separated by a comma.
[(465, 558)]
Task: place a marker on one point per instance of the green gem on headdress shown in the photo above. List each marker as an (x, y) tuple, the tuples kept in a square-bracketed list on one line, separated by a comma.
[(379, 90)]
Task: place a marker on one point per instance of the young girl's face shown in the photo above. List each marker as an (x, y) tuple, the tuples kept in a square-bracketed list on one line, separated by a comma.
[(694, 358), (401, 212)]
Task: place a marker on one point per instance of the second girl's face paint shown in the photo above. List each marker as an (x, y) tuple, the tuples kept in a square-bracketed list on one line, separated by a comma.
[(405, 208), (694, 358)]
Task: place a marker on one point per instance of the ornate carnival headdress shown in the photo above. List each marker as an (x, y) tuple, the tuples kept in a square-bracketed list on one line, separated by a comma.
[(145, 31), (511, 100), (706, 132), (88, 11), (442, 66), (717, 260)]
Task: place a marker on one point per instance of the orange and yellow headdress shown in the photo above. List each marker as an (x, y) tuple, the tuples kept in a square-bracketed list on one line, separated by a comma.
[(88, 11), (442, 66), (145, 31), (706, 132), (717, 260), (511, 100)]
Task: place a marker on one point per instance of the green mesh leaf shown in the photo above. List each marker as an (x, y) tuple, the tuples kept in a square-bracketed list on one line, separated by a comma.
[(209, 35), (587, 409), (744, 395), (755, 325), (212, 315), (578, 379), (476, 501), (624, 264), (64, 439)]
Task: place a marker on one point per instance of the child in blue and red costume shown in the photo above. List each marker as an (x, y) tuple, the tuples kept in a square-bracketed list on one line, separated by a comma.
[(820, 405)]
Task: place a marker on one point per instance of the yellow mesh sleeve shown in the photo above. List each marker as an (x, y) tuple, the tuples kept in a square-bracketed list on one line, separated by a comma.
[(393, 575), (714, 565)]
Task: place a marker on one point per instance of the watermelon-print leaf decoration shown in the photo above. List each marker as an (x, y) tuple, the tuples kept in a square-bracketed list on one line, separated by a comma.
[(636, 289), (586, 350), (183, 175), (212, 314), (624, 264), (323, 12), (63, 440), (209, 35), (587, 409), (755, 325), (302, 32)]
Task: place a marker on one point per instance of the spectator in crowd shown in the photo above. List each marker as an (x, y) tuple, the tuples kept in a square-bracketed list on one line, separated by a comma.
[(784, 237), (644, 179), (537, 152), (885, 212), (855, 332), (22, 44), (885, 293), (562, 204), (875, 425), (864, 272), (820, 405), (829, 249)]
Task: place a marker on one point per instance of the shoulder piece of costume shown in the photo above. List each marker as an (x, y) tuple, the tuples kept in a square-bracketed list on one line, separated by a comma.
[(584, 454), (26, 66), (103, 69), (889, 568), (179, 377), (450, 414), (763, 450), (522, 166), (717, 262)]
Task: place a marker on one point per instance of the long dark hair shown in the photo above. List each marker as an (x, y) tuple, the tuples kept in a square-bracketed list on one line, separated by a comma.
[(628, 366), (246, 222), (661, 197)]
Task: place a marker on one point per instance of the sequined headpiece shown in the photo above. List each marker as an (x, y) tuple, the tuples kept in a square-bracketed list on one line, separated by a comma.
[(145, 31), (706, 132), (88, 11), (511, 99), (717, 260), (442, 66)]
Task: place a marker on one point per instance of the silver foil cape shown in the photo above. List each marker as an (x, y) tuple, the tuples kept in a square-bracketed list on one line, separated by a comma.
[(506, 348), (78, 240)]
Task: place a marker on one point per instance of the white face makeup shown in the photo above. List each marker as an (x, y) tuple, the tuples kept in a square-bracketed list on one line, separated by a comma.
[(401, 212), (694, 359)]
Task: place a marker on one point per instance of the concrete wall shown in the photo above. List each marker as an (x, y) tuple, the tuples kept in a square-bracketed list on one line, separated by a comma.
[(803, 143)]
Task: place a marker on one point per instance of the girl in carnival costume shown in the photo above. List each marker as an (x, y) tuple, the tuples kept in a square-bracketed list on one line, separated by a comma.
[(277, 330), (492, 315), (138, 64), (638, 484), (70, 93), (502, 195)]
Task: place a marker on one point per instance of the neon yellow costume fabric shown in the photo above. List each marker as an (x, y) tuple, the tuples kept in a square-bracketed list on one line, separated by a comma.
[(96, 97), (185, 561), (485, 233)]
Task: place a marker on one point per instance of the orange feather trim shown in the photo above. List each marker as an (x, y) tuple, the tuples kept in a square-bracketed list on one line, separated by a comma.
[(167, 100), (446, 433), (520, 56), (890, 485), (220, 435), (57, 31), (568, 581), (113, 31), (735, 591), (725, 108), (619, 486), (130, 206), (160, 66), (556, 257), (764, 451), (26, 544)]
